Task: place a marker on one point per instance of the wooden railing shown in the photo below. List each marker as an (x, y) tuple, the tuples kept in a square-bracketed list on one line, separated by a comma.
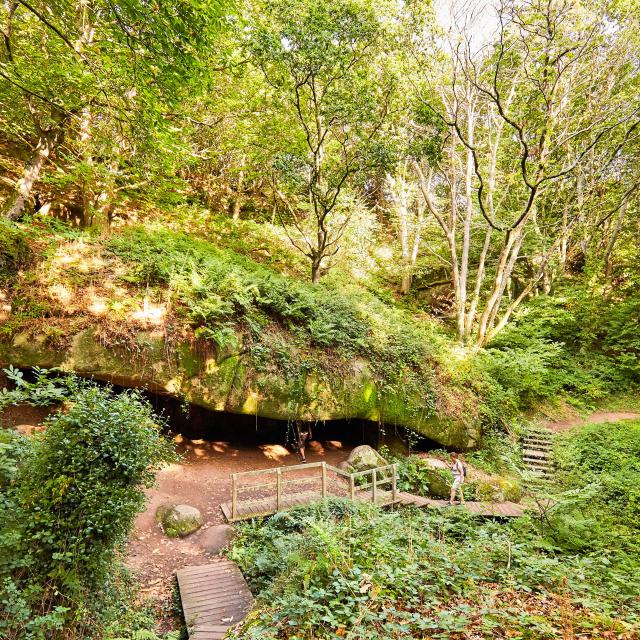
[(306, 483)]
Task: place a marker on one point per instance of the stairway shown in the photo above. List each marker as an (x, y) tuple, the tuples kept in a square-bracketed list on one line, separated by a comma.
[(536, 453)]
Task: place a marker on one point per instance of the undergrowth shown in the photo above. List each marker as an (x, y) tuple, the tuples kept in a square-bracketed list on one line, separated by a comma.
[(340, 570)]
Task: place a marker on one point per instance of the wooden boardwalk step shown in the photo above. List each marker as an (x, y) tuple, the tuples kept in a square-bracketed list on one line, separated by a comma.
[(487, 509), (214, 598)]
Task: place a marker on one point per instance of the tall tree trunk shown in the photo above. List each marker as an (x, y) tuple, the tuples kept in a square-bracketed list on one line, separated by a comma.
[(24, 186), (316, 273), (608, 263), (466, 231), (85, 144)]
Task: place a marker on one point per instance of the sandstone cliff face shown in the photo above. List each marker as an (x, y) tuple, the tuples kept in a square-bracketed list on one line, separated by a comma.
[(229, 382)]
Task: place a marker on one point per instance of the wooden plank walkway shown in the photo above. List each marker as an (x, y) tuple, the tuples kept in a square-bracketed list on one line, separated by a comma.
[(260, 507), (488, 509), (214, 598)]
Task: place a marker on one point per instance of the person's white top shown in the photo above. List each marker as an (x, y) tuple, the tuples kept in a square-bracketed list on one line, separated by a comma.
[(457, 468)]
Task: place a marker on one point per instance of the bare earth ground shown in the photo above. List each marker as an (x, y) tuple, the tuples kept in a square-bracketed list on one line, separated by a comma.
[(597, 417), (201, 479)]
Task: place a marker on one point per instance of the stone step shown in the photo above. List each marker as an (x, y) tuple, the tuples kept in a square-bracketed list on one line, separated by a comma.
[(537, 462), (540, 472), (543, 462), (540, 441), (536, 453), (537, 446)]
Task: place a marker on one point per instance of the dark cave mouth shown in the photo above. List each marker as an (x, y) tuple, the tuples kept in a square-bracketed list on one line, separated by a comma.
[(191, 422)]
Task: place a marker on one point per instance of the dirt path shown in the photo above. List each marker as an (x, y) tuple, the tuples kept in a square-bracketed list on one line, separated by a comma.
[(595, 418), (201, 479)]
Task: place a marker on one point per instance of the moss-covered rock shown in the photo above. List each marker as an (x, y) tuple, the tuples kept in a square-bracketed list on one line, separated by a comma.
[(498, 489), (179, 520), (230, 383), (438, 477), (364, 457)]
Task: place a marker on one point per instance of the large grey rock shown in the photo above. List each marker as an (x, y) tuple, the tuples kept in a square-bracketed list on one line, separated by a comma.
[(179, 520), (214, 539), (365, 457), (231, 383)]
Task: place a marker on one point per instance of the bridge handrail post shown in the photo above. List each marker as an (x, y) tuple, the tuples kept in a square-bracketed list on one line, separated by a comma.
[(234, 496), (324, 480), (374, 485), (394, 482), (352, 487), (278, 489)]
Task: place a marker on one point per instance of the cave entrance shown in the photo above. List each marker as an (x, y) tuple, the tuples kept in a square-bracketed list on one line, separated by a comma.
[(194, 427), (198, 423), (195, 423)]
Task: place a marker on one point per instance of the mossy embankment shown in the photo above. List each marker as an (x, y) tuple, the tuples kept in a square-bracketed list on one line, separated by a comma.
[(181, 315), (220, 315)]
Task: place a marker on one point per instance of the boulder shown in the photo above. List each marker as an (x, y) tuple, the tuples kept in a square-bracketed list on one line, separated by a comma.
[(498, 489), (179, 520), (214, 539), (365, 457), (438, 477), (232, 383)]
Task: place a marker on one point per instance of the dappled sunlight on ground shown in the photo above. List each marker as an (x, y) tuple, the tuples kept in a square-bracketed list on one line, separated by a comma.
[(171, 469), (202, 479), (275, 452), (61, 293), (150, 313), (98, 306)]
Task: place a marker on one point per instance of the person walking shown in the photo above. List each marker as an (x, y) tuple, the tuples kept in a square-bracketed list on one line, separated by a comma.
[(458, 471), (304, 436)]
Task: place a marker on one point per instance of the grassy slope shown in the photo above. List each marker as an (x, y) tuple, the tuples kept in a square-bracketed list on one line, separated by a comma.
[(239, 286)]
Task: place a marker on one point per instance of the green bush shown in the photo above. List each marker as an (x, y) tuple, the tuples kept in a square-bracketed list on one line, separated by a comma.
[(45, 390), (344, 570), (599, 464), (73, 501)]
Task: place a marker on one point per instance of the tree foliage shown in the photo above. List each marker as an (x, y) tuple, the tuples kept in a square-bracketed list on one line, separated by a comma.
[(69, 504)]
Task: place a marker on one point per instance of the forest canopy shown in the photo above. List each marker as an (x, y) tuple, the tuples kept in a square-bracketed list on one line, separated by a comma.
[(487, 164)]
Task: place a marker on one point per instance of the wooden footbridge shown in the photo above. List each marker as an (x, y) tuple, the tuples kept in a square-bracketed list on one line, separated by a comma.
[(214, 598), (264, 492)]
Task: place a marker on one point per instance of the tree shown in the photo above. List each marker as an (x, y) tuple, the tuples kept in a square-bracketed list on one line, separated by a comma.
[(103, 78), (526, 114), (318, 61)]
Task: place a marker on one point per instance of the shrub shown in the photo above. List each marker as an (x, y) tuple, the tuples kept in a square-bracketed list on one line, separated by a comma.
[(14, 250), (75, 496), (600, 465), (45, 390), (344, 570)]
